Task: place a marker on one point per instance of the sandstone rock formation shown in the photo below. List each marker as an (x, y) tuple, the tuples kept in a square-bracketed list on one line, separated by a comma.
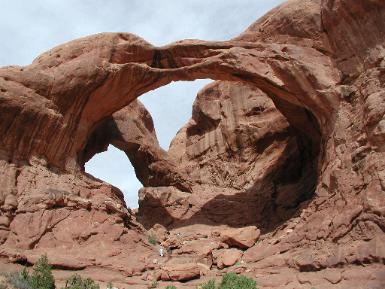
[(246, 164), (180, 272), (243, 238), (69, 216), (131, 129), (307, 166), (226, 257)]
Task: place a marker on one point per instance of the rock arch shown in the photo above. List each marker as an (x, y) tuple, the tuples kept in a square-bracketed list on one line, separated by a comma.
[(321, 62), (108, 71)]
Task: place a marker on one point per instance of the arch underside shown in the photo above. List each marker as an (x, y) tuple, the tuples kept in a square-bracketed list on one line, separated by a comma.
[(120, 67), (80, 117), (253, 65)]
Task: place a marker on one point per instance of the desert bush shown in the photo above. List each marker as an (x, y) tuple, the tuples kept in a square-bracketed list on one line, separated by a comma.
[(19, 280), (152, 239), (153, 285), (208, 285), (231, 281), (170, 287), (77, 282), (3, 285), (234, 281), (40, 278)]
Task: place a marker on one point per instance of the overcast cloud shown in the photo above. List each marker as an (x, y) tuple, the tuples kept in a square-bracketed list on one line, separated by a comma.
[(28, 28)]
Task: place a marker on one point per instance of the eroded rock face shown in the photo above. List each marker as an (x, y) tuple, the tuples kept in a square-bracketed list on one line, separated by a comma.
[(316, 173), (246, 163), (64, 215), (226, 257), (241, 238), (131, 129), (180, 272)]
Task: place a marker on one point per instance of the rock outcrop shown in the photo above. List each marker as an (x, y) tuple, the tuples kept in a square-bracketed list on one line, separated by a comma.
[(180, 272), (306, 166), (246, 163), (69, 216), (226, 257), (243, 238), (131, 130)]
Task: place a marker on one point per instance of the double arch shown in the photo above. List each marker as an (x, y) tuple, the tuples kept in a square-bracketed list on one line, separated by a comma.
[(87, 80)]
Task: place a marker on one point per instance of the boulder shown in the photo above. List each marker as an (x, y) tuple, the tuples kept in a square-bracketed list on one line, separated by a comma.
[(159, 232), (226, 257), (240, 237), (179, 272)]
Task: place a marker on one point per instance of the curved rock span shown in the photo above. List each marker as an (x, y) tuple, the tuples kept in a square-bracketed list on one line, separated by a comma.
[(290, 138)]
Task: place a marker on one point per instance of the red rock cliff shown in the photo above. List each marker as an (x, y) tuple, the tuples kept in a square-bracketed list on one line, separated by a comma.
[(315, 180)]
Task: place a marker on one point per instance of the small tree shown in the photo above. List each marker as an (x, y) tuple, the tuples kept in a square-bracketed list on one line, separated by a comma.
[(41, 277)]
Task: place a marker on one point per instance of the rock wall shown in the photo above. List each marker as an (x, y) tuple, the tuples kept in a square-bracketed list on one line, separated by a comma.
[(322, 65), (246, 163), (131, 130), (70, 216)]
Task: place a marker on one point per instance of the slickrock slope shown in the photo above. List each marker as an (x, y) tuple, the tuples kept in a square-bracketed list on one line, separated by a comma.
[(310, 173)]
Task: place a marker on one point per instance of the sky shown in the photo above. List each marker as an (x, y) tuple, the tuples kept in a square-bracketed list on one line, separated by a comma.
[(28, 28)]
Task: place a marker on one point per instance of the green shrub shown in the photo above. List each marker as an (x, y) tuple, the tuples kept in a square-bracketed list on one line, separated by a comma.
[(234, 281), (170, 287), (76, 282), (152, 239), (154, 284), (19, 280), (209, 285), (40, 278), (231, 281)]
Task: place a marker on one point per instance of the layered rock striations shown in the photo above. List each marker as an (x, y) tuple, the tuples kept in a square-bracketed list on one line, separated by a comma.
[(246, 163), (70, 216), (290, 138)]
